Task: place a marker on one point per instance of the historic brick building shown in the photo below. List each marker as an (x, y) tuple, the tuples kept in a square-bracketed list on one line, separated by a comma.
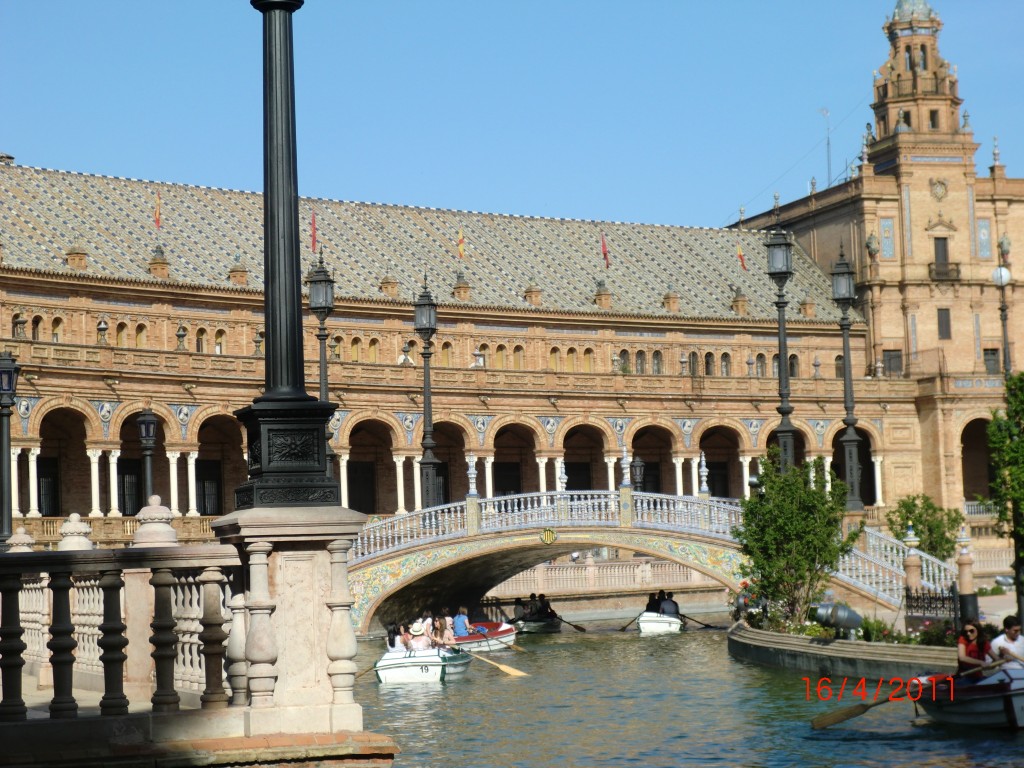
[(548, 363)]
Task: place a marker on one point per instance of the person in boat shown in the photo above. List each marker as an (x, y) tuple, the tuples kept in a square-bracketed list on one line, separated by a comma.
[(653, 604), (447, 615), (462, 625), (1010, 645), (518, 609), (972, 650), (443, 637), (419, 639), (428, 621), (669, 607), (394, 641), (544, 610), (532, 607)]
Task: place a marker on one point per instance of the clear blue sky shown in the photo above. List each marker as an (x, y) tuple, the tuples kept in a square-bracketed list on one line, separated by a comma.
[(655, 112)]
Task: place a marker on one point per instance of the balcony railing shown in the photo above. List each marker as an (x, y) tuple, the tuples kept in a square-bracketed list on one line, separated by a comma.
[(943, 271)]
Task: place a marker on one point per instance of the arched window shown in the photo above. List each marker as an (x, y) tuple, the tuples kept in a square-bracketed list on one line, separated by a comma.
[(794, 366), (726, 364), (373, 351), (446, 354), (761, 366), (518, 358), (220, 342), (624, 361), (37, 322), (55, 328), (694, 361), (141, 336), (121, 335), (570, 360), (588, 361), (500, 357), (554, 358), (709, 364), (355, 350), (200, 340), (413, 346), (839, 366), (641, 362), (775, 366), (480, 360)]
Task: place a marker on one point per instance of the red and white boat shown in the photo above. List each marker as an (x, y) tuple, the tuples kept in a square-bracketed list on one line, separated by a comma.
[(498, 637), (995, 701)]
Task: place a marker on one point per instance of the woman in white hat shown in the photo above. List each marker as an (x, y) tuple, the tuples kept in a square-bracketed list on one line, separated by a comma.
[(419, 640)]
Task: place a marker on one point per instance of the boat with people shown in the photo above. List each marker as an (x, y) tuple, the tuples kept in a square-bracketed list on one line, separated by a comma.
[(651, 623), (425, 666), (488, 636), (994, 701), (538, 625)]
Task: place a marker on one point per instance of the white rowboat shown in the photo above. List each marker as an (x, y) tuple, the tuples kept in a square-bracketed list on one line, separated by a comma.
[(433, 665), (658, 624), (498, 637)]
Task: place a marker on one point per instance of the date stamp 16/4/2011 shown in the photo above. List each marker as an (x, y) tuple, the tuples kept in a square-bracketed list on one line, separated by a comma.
[(892, 689)]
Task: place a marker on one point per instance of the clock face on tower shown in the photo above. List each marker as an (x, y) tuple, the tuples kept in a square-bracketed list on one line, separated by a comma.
[(938, 188)]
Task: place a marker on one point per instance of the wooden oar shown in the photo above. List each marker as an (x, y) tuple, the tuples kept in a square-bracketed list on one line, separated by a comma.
[(695, 621), (503, 667), (370, 669), (577, 627), (848, 713), (623, 628), (511, 644)]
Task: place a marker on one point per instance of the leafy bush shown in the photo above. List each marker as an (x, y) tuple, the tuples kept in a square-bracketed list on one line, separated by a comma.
[(937, 528)]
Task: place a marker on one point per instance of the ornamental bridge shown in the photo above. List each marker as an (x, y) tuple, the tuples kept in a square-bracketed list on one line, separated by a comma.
[(454, 554)]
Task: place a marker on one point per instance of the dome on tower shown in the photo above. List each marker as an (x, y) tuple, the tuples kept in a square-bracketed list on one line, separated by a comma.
[(912, 9)]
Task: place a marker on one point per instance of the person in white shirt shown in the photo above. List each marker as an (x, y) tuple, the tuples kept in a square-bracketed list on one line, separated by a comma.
[(1010, 645)]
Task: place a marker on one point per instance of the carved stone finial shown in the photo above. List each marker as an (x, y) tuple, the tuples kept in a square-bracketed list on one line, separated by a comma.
[(155, 529), (20, 541), (75, 534)]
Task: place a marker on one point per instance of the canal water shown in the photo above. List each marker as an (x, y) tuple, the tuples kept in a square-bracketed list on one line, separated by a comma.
[(609, 698)]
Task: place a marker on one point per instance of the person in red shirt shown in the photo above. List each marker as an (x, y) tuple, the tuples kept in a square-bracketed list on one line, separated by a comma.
[(973, 651)]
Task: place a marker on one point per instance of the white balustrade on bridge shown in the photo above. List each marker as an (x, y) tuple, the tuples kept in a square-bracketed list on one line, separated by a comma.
[(882, 579), (935, 574), (711, 517)]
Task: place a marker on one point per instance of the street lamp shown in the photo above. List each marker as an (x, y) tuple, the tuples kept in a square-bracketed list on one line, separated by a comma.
[(9, 370), (636, 472), (425, 324), (844, 293), (147, 422), (1001, 277), (321, 304), (780, 269)]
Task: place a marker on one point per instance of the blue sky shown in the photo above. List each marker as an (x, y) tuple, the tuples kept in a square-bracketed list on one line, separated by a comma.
[(655, 112)]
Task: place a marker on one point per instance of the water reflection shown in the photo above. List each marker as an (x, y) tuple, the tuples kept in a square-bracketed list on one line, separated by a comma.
[(617, 699)]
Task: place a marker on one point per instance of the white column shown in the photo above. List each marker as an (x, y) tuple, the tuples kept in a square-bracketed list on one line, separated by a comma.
[(193, 510), (112, 472), (172, 466), (694, 476), (15, 504), (417, 487), (489, 472), (542, 474), (828, 472), (94, 481), (33, 483), (610, 464), (878, 481), (745, 466), (343, 477), (810, 465), (559, 469), (677, 462), (400, 483)]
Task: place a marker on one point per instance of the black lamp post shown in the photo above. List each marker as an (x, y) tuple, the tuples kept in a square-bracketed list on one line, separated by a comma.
[(1001, 277), (780, 269), (844, 294), (321, 304), (425, 319), (147, 439), (9, 371)]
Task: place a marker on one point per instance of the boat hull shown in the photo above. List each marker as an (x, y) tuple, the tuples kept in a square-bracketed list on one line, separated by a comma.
[(421, 666), (658, 624), (997, 701), (538, 626), (499, 637)]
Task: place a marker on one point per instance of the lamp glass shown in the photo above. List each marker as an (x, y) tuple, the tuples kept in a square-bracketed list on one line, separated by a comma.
[(780, 254), (1001, 276), (842, 281), (321, 289), (425, 314), (9, 370)]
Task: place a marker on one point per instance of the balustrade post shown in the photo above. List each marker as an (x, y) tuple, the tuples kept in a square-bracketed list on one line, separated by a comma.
[(113, 642), (237, 667), (12, 649), (212, 638), (260, 647), (62, 645), (341, 640), (164, 641), (627, 513)]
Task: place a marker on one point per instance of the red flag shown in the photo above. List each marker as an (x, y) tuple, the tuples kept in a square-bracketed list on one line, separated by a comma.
[(156, 213), (313, 227), (739, 255), (462, 245), (604, 251)]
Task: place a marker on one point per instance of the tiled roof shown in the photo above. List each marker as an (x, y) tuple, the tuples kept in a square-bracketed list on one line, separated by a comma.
[(204, 230)]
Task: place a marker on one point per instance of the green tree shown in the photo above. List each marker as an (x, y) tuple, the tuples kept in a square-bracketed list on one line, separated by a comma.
[(937, 528), (792, 535), (1006, 446)]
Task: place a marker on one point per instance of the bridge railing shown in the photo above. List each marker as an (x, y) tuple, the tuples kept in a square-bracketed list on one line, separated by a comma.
[(712, 517), (529, 510), (935, 574), (883, 579), (401, 531)]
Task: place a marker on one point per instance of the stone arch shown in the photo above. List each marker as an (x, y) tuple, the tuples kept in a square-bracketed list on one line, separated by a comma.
[(540, 437), (355, 417), (602, 425), (369, 466), (725, 473), (737, 426), (863, 425), (584, 447), (129, 409), (654, 444), (94, 425), (976, 471), (806, 442), (220, 463), (655, 421), (201, 414), (469, 433)]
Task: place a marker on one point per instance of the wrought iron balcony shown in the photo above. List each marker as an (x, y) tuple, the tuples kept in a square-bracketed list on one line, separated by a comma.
[(937, 271)]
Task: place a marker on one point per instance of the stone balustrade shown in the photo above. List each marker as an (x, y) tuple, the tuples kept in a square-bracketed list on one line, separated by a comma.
[(114, 532)]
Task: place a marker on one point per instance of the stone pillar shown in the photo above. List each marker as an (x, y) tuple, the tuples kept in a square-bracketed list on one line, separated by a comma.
[(965, 577), (341, 643), (343, 477), (745, 466), (193, 510), (417, 486), (489, 473), (172, 467), (94, 482), (912, 562), (112, 458), (15, 501), (610, 464), (400, 483), (877, 461), (260, 644), (542, 474), (33, 483), (694, 480), (677, 462), (828, 472)]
